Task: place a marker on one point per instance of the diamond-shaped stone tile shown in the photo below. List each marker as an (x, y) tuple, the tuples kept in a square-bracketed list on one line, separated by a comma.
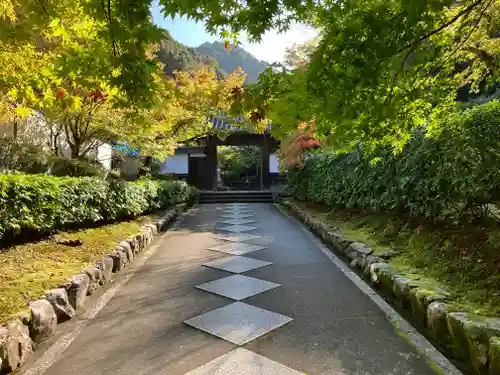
[(238, 208), (236, 228), (243, 362), (236, 237), (237, 213), (237, 221), (238, 322), (237, 264), (236, 248), (238, 287), (237, 216)]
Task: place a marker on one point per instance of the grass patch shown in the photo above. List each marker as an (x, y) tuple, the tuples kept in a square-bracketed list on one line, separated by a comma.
[(464, 260), (28, 270)]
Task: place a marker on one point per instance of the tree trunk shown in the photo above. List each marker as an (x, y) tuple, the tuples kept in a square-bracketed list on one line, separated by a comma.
[(55, 145), (148, 161), (75, 150), (146, 168), (54, 141), (15, 129)]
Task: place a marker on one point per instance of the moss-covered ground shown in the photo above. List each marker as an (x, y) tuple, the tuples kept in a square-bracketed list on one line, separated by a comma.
[(28, 270), (464, 260)]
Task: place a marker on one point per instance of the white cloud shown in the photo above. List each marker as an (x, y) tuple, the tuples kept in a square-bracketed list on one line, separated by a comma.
[(273, 45)]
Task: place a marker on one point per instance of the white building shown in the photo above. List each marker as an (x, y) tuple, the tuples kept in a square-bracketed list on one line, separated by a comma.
[(35, 130)]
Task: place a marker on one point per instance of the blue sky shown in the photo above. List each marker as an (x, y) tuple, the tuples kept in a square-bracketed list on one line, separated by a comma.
[(271, 49)]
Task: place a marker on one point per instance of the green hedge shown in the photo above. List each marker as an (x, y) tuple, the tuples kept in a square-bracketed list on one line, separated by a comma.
[(41, 204), (453, 176)]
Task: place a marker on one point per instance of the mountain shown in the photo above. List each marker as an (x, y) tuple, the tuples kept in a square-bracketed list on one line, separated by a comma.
[(177, 56), (230, 60)]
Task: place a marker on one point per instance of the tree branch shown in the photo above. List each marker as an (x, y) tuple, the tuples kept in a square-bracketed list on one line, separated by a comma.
[(442, 27), (472, 49), (107, 14), (67, 130), (78, 120), (194, 138), (178, 127), (92, 144), (88, 120), (42, 5)]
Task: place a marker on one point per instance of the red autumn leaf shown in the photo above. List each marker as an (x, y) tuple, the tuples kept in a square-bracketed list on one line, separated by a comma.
[(227, 46), (60, 94), (97, 95)]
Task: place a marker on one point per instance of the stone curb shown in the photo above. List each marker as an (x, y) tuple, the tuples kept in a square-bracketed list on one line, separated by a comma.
[(471, 338), (20, 336)]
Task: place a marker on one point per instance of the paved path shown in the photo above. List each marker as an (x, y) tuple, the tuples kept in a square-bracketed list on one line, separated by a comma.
[(310, 320)]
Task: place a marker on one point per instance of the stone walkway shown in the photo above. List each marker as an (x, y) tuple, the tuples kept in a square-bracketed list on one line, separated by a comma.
[(238, 289)]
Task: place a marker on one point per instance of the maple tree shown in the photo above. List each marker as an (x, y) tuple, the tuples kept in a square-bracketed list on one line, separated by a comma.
[(122, 33), (183, 105), (297, 145), (281, 97), (382, 68), (178, 112), (63, 69)]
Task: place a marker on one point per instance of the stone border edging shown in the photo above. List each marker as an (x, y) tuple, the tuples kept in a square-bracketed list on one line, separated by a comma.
[(471, 338), (19, 336)]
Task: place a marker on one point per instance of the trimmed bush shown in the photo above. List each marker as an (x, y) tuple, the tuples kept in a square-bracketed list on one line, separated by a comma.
[(453, 176), (60, 166), (41, 204)]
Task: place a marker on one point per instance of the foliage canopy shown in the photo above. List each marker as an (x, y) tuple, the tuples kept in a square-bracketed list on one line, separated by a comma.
[(378, 70), (382, 68), (91, 70)]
